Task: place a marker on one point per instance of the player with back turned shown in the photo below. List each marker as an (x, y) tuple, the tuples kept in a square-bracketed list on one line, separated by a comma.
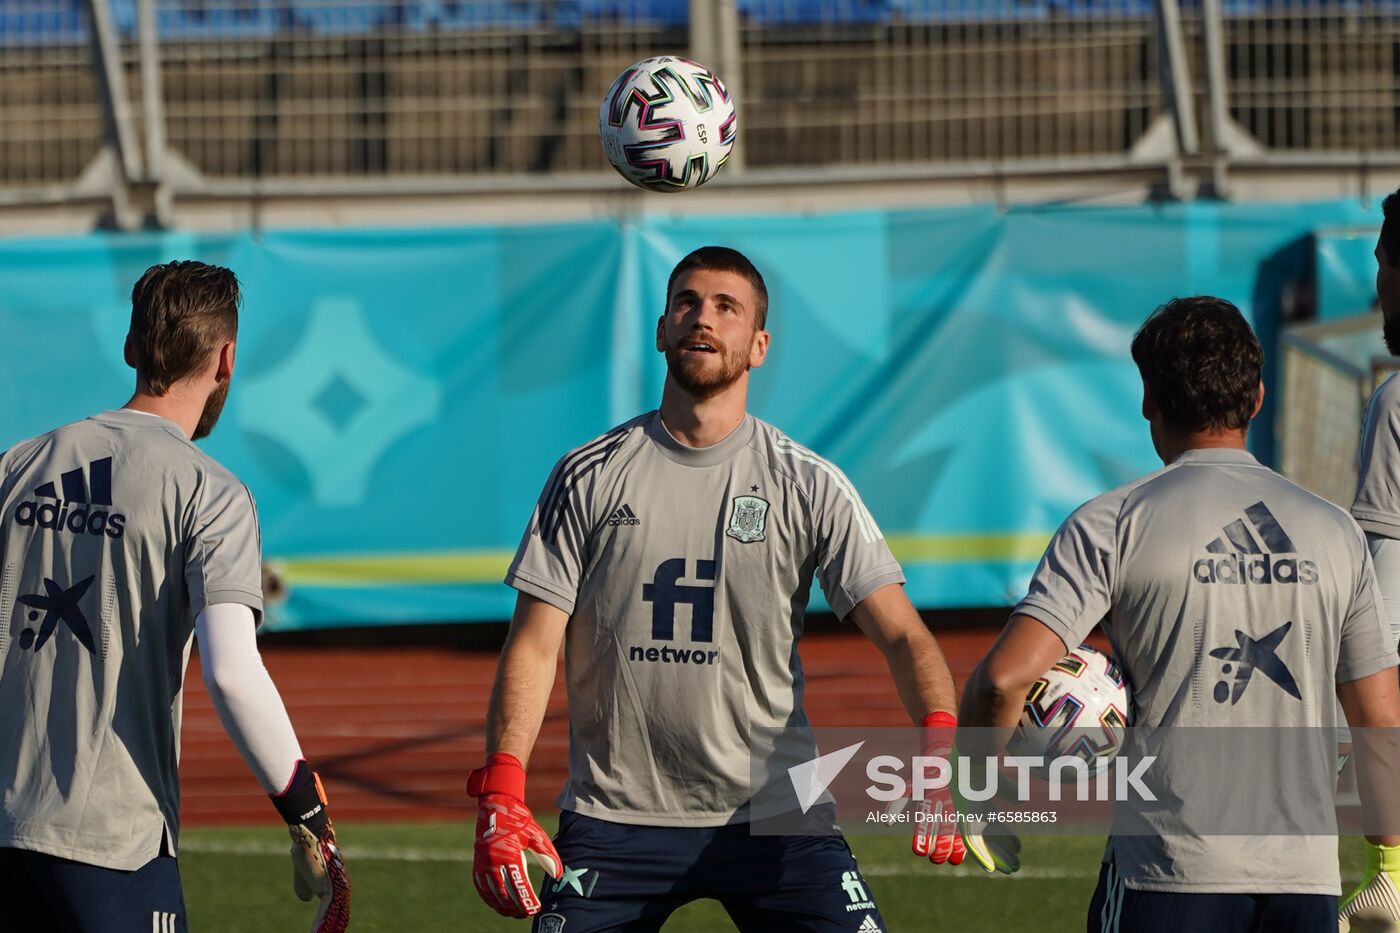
[(672, 557), (119, 540), (1232, 598)]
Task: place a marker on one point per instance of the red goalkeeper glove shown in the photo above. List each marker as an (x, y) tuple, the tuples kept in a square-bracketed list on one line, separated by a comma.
[(317, 868), (937, 835), (506, 832)]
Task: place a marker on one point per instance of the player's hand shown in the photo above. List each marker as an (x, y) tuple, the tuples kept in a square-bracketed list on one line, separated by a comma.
[(1375, 904), (318, 871), (506, 833), (991, 846), (936, 833)]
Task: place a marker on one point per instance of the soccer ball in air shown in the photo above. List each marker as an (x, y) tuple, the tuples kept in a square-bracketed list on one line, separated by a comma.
[(667, 124), (1078, 709)]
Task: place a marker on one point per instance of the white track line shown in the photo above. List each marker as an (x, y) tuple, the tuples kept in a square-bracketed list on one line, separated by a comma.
[(392, 854)]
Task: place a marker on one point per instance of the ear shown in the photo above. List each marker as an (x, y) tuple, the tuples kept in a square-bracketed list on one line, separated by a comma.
[(129, 352), (1149, 406), (1258, 401), (758, 350), (661, 334), (224, 370)]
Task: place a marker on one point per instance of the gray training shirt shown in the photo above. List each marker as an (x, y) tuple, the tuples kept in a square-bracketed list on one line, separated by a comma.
[(115, 533), (685, 573), (1231, 597), (1377, 505)]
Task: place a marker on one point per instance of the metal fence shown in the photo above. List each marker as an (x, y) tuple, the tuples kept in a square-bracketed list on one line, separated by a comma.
[(1328, 374), (246, 92)]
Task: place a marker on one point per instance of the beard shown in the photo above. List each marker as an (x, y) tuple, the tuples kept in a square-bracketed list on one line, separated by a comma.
[(213, 407), (1391, 332), (700, 377)]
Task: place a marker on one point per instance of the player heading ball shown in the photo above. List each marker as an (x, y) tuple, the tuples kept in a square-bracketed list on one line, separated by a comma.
[(733, 521)]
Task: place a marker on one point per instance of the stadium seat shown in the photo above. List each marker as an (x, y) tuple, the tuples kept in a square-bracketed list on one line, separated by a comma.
[(469, 16), (812, 12), (633, 12), (60, 22)]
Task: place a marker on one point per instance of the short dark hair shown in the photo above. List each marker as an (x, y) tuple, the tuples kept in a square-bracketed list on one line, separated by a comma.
[(724, 259), (1390, 229), (180, 313), (1202, 363)]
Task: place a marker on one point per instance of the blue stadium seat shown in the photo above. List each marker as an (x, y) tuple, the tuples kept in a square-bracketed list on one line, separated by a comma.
[(195, 20), (635, 12), (469, 16), (813, 12), (60, 22), (961, 11)]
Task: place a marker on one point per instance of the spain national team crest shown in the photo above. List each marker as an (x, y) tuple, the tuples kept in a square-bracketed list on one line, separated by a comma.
[(551, 923), (747, 519)]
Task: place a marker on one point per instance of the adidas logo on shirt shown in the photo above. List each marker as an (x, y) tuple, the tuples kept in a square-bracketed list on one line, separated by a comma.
[(624, 516), (869, 926), (77, 510), (1249, 552)]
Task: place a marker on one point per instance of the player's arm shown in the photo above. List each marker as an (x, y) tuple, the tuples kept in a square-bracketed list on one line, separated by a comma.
[(925, 685), (506, 831), (1372, 707), (996, 690), (524, 677), (251, 710), (1370, 699), (920, 673)]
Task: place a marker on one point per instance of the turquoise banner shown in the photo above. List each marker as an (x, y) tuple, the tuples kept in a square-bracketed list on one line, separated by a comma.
[(401, 396)]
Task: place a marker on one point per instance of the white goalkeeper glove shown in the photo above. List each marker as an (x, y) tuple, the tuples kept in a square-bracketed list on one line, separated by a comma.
[(1375, 904)]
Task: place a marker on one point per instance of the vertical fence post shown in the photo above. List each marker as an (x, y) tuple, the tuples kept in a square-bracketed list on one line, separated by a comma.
[(1216, 96), (1178, 89), (153, 109), (116, 109), (714, 42)]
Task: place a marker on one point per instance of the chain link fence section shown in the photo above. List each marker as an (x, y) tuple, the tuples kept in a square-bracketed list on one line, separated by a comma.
[(1316, 76), (1325, 389), (324, 89), (946, 81), (50, 121), (398, 88)]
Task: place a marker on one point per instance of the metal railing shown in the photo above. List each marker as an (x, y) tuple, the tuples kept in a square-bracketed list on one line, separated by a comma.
[(101, 97), (1327, 376)]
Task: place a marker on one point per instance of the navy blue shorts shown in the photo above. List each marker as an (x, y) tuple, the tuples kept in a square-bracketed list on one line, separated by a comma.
[(629, 879), (1119, 909), (44, 894)]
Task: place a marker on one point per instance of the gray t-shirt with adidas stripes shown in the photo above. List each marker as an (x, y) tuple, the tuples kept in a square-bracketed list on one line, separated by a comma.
[(1232, 598), (686, 574), (115, 532)]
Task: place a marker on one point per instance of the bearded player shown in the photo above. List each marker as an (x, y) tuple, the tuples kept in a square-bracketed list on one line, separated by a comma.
[(119, 539), (673, 557), (1377, 510)]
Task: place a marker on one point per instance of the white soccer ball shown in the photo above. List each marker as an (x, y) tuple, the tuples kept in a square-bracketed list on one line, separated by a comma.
[(1079, 709), (667, 124)]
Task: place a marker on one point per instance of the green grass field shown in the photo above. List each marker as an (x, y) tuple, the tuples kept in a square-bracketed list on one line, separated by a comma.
[(416, 878)]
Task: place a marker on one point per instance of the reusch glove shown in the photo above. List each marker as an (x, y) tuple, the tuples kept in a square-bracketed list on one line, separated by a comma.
[(317, 868), (991, 846), (1375, 904), (506, 832), (937, 835)]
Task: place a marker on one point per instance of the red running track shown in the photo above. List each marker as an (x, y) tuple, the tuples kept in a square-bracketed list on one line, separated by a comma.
[(394, 730)]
